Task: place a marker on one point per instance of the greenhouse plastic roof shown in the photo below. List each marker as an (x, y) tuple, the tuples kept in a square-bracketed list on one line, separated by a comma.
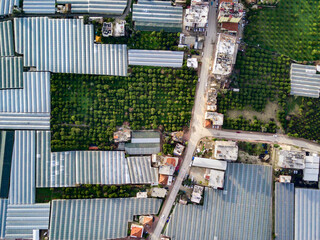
[(307, 214), (142, 148), (39, 6), (7, 5), (155, 58), (284, 211), (60, 173), (141, 171), (96, 6), (3, 216), (106, 218), (11, 69), (101, 167), (22, 178), (6, 149), (43, 158), (66, 46), (241, 211), (34, 97), (157, 15), (304, 80), (21, 220), (6, 36), (25, 121), (66, 169)]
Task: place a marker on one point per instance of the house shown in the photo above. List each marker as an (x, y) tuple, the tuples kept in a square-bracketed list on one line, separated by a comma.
[(226, 150), (214, 119), (146, 220), (178, 150), (230, 11), (196, 195), (158, 192), (136, 231), (167, 170), (216, 179)]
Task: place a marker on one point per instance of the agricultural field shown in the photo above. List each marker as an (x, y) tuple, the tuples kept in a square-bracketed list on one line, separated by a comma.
[(86, 109), (260, 76), (291, 29)]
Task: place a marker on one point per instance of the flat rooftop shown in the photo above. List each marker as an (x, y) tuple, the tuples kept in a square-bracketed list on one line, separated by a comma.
[(226, 52)]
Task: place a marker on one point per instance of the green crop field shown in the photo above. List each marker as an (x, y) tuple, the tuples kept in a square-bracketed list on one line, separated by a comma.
[(292, 29), (86, 109)]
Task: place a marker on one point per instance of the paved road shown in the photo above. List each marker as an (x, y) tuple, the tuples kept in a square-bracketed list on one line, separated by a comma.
[(197, 129)]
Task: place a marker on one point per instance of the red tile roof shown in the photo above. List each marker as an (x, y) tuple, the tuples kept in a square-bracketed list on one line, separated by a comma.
[(230, 26), (136, 231)]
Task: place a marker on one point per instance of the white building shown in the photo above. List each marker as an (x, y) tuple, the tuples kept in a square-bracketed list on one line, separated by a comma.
[(311, 171), (226, 150)]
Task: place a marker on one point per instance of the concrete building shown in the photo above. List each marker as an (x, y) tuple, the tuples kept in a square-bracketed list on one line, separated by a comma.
[(215, 120), (230, 11), (291, 159), (226, 150), (197, 193), (158, 192), (216, 179), (196, 18), (226, 53)]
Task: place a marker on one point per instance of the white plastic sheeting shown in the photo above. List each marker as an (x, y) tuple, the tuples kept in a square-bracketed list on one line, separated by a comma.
[(6, 37), (6, 6), (34, 97), (22, 178), (25, 121), (39, 6), (97, 218), (141, 171), (307, 214), (96, 6), (23, 219), (67, 46), (209, 163), (11, 72), (155, 58)]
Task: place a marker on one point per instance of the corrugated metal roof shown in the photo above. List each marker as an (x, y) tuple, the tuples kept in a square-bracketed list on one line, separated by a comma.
[(6, 35), (101, 167), (43, 158), (66, 46), (23, 219), (39, 6), (97, 218), (11, 72), (142, 148), (155, 58), (157, 15), (284, 211), (141, 171), (22, 178), (307, 214), (242, 211), (304, 80), (96, 6), (6, 149), (3, 216), (7, 5), (25, 121), (61, 171), (209, 163), (34, 97)]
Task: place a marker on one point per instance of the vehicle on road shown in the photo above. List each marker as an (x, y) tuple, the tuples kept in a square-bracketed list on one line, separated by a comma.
[(238, 132)]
